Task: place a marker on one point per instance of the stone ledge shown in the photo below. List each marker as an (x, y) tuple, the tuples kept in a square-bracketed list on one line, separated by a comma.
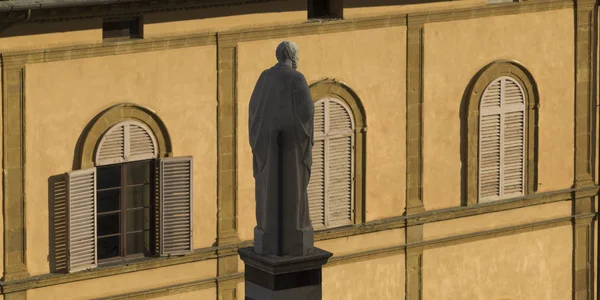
[(369, 227)]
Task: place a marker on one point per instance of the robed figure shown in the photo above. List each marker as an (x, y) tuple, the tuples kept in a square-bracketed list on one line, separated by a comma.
[(280, 123)]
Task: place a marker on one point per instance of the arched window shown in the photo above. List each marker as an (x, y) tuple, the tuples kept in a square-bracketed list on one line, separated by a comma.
[(330, 190), (113, 207), (502, 140), (499, 134), (336, 186)]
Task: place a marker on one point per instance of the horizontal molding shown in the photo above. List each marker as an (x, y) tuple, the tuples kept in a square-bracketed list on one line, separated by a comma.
[(20, 58), (309, 28), (366, 255), (103, 271), (232, 37), (496, 206), (71, 10), (369, 227), (489, 10), (457, 212)]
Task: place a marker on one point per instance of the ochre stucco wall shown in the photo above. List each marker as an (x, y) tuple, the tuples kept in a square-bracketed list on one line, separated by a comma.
[(376, 74), (496, 220), (380, 278), (533, 265), (128, 282), (62, 97), (28, 36), (363, 242), (455, 51)]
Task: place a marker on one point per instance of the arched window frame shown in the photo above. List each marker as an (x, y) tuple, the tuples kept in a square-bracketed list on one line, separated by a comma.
[(174, 175), (470, 115), (331, 88)]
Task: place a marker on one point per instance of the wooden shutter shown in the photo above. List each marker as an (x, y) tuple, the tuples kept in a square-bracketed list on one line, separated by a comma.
[(316, 186), (125, 142), (339, 175), (489, 161), (111, 149), (141, 143), (513, 144), (81, 187), (502, 141), (339, 181), (176, 205)]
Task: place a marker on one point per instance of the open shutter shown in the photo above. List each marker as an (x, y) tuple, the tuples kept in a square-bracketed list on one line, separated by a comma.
[(316, 187), (81, 187), (176, 205)]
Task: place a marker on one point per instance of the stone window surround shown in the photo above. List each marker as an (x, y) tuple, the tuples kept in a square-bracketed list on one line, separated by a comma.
[(332, 88), (470, 126)]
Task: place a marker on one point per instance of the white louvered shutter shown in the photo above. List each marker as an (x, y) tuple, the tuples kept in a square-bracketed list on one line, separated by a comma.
[(81, 190), (125, 142), (330, 190), (316, 184), (141, 143), (502, 141), (176, 205), (111, 149), (339, 164)]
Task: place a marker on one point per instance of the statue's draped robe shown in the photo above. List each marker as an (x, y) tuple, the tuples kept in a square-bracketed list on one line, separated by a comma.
[(281, 108)]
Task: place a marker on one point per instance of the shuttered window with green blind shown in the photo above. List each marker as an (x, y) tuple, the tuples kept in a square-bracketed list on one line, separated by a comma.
[(502, 141), (331, 186)]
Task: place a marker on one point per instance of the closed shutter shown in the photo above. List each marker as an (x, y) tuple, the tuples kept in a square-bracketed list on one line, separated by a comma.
[(502, 141), (141, 143), (316, 186), (513, 147), (339, 181), (125, 142), (339, 164), (489, 164), (111, 149), (330, 190), (176, 205), (81, 187)]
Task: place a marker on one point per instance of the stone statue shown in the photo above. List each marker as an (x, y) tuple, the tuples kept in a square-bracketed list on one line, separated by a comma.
[(280, 121)]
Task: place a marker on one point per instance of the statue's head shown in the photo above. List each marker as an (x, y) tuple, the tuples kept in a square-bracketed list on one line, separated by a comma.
[(287, 52)]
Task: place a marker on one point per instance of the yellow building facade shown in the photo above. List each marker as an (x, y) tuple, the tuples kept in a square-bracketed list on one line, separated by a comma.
[(424, 219)]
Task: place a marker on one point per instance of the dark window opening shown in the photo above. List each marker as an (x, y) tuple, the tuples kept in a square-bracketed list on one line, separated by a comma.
[(122, 29), (325, 9), (125, 211)]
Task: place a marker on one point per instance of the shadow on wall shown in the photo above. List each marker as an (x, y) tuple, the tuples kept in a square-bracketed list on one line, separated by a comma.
[(371, 3), (227, 11), (57, 233)]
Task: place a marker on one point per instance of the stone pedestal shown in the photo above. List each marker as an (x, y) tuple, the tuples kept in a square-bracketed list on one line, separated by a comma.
[(270, 277)]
